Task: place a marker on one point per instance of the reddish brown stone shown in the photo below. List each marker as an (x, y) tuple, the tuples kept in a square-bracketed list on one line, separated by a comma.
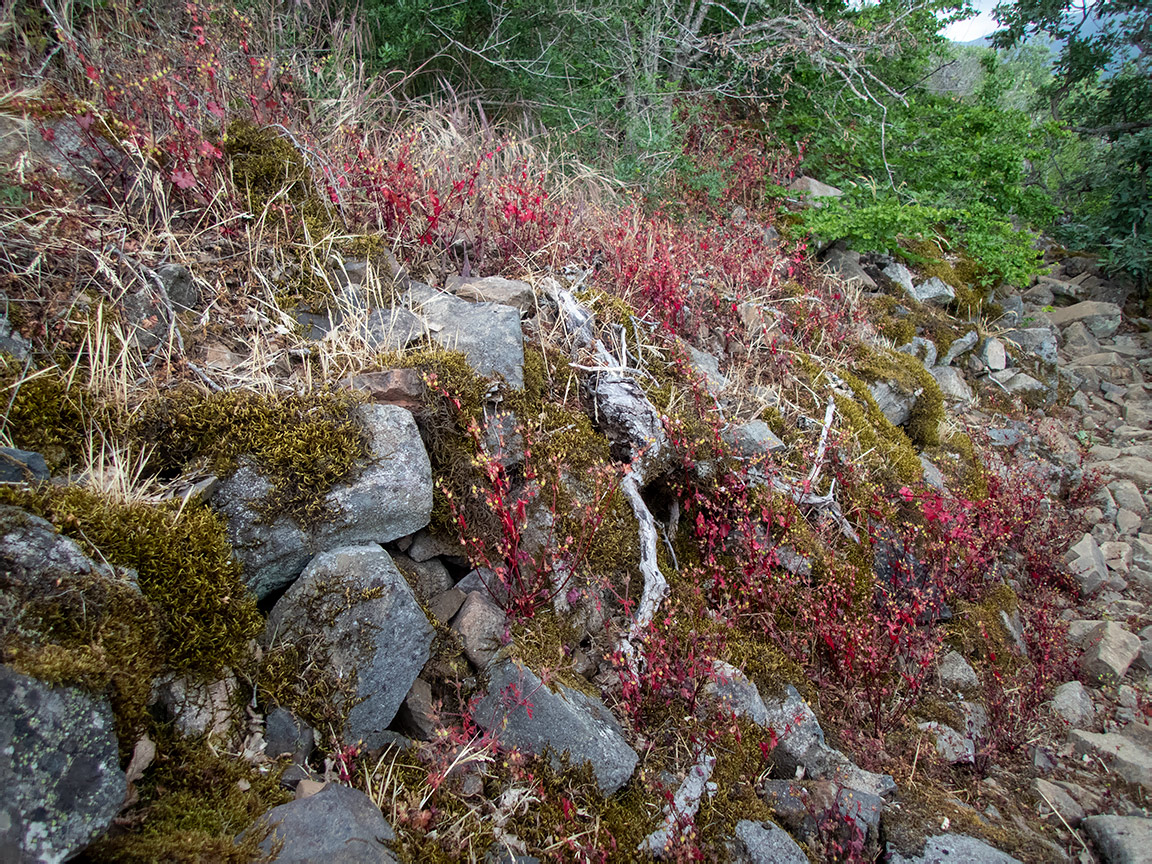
[(403, 387)]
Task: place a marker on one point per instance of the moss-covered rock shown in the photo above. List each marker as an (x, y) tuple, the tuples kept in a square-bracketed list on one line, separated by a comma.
[(193, 802), (204, 615)]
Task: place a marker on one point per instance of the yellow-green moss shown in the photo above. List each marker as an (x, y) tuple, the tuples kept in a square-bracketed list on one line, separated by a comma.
[(540, 643), (271, 173), (893, 458), (909, 373), (304, 443), (976, 631), (193, 803), (739, 764), (45, 414), (204, 614), (85, 631)]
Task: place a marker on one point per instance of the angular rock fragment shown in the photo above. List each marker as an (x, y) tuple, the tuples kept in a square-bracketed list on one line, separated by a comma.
[(522, 712), (1111, 650), (488, 334), (335, 824), (1120, 839), (353, 611), (494, 289), (955, 847), (389, 498), (1073, 703), (765, 843), (1121, 754), (935, 291)]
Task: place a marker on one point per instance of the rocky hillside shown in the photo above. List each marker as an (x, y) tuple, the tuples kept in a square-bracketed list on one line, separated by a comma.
[(419, 496)]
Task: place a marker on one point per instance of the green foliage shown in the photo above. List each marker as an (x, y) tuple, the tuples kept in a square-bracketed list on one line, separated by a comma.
[(1109, 195), (1102, 89), (882, 223), (940, 168)]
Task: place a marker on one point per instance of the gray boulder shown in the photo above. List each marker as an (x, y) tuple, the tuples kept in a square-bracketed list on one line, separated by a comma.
[(1023, 384), (389, 498), (11, 342), (1111, 650), (1073, 703), (1120, 839), (1087, 564), (179, 285), (801, 744), (1078, 341), (955, 847), (994, 355), (707, 366), (480, 623), (755, 439), (22, 466), (894, 401), (488, 334), (1101, 319), (952, 384), (1059, 801), (284, 734), (494, 289), (845, 263), (1127, 495), (1120, 753), (899, 274), (952, 747), (814, 189), (352, 611), (392, 328), (935, 291), (335, 824), (31, 549), (960, 346), (522, 712), (60, 777), (922, 349), (1039, 341), (956, 673), (765, 843)]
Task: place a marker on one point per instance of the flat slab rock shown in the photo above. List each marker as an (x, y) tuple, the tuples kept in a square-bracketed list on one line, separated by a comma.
[(955, 848), (352, 610), (488, 334), (335, 824), (765, 843), (390, 498), (522, 712), (1120, 839), (60, 777), (1121, 754)]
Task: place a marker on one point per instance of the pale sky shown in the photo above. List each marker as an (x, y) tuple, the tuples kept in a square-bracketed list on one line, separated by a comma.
[(974, 28)]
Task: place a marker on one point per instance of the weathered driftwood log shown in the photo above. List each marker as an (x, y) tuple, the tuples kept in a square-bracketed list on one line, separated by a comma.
[(633, 421)]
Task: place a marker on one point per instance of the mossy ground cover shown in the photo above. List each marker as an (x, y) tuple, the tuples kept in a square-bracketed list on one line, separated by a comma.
[(304, 443), (204, 614), (193, 803)]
